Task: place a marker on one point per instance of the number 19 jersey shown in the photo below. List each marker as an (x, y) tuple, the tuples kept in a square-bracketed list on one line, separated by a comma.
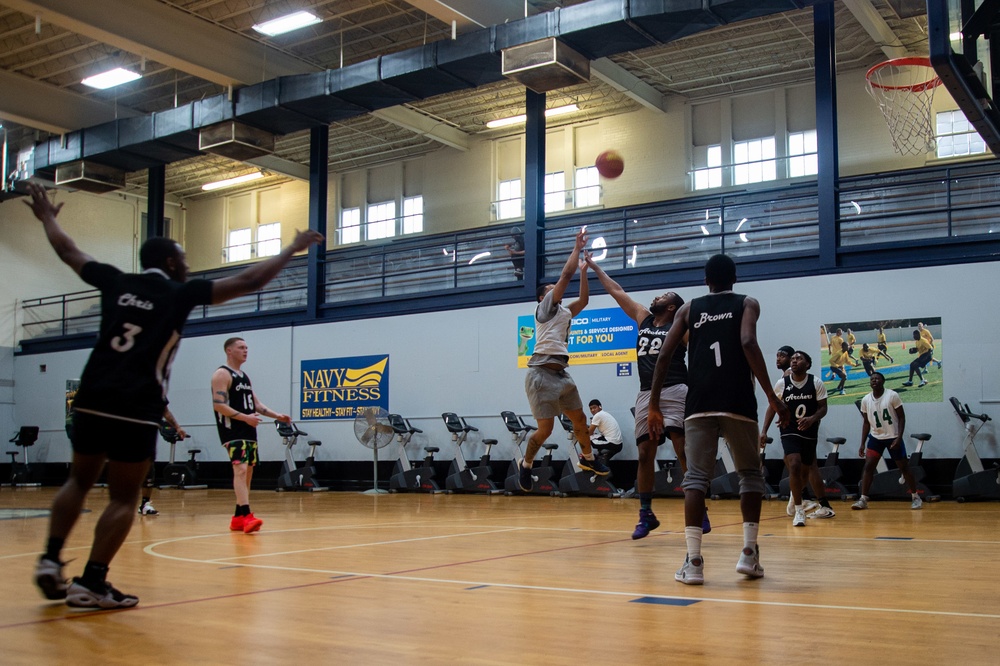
[(719, 378)]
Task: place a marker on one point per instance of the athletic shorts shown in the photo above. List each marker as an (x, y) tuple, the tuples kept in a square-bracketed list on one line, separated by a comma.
[(550, 392), (804, 447), (876, 447), (672, 400), (923, 359), (882, 347), (242, 451), (701, 447), (121, 441)]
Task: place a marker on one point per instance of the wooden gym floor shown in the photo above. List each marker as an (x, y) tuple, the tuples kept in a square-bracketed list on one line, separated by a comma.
[(346, 578)]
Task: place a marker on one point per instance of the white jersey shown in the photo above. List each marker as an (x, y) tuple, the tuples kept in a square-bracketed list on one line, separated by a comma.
[(881, 414), (552, 323), (607, 426)]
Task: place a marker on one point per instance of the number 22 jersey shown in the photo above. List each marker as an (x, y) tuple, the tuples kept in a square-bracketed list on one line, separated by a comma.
[(142, 316)]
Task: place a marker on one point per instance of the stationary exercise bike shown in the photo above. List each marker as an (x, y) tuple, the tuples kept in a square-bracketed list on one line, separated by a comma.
[(295, 477), (830, 471), (726, 482), (180, 475), (972, 479), (542, 473), (20, 472), (576, 480), (461, 477), (890, 484), (404, 475)]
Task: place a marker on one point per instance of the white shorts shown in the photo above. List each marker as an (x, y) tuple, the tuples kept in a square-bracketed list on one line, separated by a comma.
[(672, 399)]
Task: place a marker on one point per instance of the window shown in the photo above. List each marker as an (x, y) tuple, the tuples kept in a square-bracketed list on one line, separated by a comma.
[(238, 247), (350, 226), (710, 175), (509, 199), (802, 159), (956, 136), (381, 220), (413, 215), (588, 189), (555, 193), (269, 239), (753, 161)]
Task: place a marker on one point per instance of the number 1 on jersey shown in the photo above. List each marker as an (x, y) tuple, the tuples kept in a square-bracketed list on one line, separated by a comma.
[(718, 353)]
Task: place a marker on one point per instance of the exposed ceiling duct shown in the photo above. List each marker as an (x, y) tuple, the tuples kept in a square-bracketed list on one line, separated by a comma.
[(90, 177), (235, 141), (545, 65)]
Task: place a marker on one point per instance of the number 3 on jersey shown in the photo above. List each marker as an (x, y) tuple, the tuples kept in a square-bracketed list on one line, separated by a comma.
[(125, 341)]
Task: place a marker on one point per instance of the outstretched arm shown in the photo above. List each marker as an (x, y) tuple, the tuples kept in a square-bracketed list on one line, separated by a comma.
[(572, 264), (262, 409), (60, 241), (577, 306), (629, 306), (255, 277)]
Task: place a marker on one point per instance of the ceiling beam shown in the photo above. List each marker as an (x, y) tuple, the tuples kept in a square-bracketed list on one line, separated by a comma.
[(424, 125), (276, 164), (52, 109), (472, 14), (877, 28), (624, 81), (169, 36)]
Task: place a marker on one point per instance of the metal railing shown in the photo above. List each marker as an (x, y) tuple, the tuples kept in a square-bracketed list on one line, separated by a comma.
[(918, 207)]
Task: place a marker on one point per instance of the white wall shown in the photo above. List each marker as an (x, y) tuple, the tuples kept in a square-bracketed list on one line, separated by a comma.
[(465, 361)]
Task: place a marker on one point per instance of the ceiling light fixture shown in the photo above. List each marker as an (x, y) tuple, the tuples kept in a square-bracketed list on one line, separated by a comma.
[(481, 255), (514, 120), (287, 23), (110, 78), (229, 182)]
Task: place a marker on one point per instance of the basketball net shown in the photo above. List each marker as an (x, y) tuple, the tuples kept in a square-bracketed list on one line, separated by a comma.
[(904, 89)]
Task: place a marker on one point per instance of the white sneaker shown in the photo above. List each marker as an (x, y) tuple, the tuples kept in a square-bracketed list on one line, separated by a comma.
[(822, 512), (860, 505), (917, 503), (809, 506), (50, 580), (800, 518), (790, 509), (693, 571), (79, 596), (749, 564), (148, 510)]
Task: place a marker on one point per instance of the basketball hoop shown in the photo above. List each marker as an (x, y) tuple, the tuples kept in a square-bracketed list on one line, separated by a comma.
[(904, 89)]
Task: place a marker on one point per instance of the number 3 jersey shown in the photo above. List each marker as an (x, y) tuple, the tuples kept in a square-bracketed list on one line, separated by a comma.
[(142, 315), (719, 378)]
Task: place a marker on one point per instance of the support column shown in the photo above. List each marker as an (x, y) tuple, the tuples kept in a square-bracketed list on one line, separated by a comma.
[(828, 178), (156, 191), (319, 158), (534, 190)]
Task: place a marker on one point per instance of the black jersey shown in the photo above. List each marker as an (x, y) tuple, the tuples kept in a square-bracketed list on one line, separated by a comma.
[(647, 350), (801, 402), (240, 399), (720, 379), (142, 315)]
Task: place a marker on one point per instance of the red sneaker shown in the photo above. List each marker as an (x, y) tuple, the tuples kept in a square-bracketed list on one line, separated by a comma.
[(237, 523), (252, 524)]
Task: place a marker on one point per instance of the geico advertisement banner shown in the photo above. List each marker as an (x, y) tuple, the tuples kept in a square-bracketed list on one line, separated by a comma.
[(595, 336), (338, 388)]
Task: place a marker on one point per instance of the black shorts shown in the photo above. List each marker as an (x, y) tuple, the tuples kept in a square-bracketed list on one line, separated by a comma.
[(804, 447), (121, 441)]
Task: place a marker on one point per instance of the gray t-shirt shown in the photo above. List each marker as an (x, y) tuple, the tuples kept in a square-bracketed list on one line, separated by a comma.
[(552, 323)]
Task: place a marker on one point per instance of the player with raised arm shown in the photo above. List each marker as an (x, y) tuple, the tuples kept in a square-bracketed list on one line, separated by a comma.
[(723, 360), (123, 391)]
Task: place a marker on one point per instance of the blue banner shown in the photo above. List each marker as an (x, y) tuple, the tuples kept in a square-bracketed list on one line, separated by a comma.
[(338, 388), (607, 335)]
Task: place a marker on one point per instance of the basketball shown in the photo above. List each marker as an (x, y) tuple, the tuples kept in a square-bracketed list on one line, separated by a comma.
[(610, 164)]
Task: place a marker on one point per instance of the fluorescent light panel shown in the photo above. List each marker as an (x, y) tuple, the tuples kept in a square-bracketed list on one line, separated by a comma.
[(111, 78), (287, 23), (229, 182), (514, 120)]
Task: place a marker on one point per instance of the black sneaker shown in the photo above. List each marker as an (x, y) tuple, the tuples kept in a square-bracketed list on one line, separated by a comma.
[(524, 479), (80, 596), (596, 466)]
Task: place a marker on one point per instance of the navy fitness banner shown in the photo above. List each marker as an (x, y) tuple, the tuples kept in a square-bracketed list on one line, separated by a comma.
[(338, 388)]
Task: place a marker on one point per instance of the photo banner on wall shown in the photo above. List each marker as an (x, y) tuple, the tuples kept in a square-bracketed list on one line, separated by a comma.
[(851, 351), (338, 388), (595, 336)]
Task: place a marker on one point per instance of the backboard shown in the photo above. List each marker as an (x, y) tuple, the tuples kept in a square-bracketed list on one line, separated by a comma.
[(961, 56)]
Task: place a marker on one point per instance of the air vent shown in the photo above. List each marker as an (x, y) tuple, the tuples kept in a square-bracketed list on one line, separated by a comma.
[(236, 141), (90, 177), (545, 65)]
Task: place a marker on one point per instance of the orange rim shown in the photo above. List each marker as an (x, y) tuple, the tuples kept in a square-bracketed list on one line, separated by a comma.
[(905, 62)]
